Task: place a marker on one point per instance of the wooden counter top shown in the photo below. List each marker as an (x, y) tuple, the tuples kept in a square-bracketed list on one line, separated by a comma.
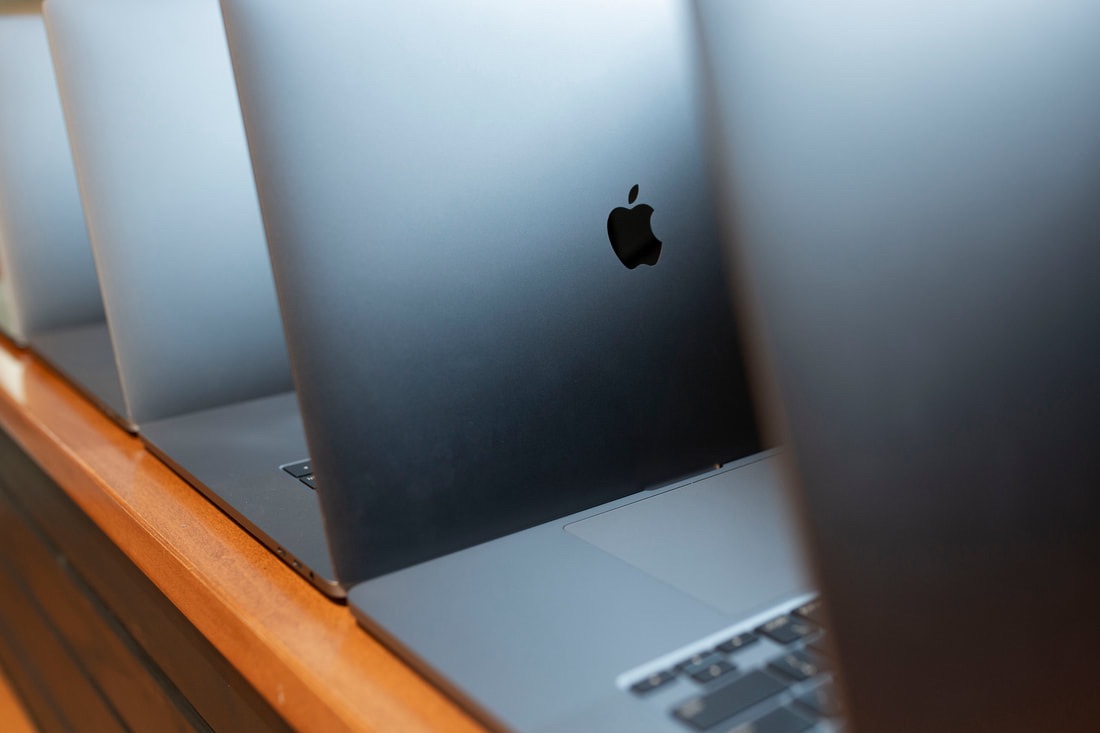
[(301, 652)]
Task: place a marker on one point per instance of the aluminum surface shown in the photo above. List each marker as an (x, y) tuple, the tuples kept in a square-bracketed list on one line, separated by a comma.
[(913, 191), (47, 277), (472, 357), (170, 202)]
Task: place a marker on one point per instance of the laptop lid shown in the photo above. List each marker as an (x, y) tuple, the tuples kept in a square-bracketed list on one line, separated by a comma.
[(171, 206), (913, 191), (440, 186), (47, 278)]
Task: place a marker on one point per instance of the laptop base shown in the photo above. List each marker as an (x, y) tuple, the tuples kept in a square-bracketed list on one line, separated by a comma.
[(232, 456), (84, 356)]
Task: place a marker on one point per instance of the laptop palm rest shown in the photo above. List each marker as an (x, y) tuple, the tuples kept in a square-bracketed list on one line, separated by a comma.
[(728, 540), (585, 602)]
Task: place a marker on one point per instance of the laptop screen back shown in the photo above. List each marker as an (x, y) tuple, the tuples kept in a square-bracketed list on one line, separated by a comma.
[(438, 184), (914, 193), (47, 278), (170, 200)]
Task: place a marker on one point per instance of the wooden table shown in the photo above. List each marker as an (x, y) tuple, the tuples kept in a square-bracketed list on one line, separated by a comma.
[(128, 601)]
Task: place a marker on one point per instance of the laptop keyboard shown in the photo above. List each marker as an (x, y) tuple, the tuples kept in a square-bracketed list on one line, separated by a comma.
[(773, 679), (303, 471)]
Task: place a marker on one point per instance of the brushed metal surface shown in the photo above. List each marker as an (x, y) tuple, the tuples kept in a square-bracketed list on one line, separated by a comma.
[(83, 355), (532, 630), (232, 455), (47, 278), (727, 540), (913, 190), (472, 358), (175, 226), (170, 202)]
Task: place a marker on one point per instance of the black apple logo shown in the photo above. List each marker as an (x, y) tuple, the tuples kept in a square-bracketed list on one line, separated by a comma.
[(631, 233)]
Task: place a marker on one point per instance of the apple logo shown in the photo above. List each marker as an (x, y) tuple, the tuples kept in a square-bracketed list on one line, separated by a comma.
[(632, 235)]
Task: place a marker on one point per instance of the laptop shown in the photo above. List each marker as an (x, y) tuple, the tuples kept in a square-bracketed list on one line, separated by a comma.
[(171, 208), (913, 190), (49, 297), (503, 290)]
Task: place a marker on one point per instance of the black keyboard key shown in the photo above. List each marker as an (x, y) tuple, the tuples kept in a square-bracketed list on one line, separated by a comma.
[(787, 629), (820, 701), (652, 682), (812, 611), (737, 643), (783, 720), (709, 710), (299, 469), (695, 662), (798, 665), (309, 481), (712, 672)]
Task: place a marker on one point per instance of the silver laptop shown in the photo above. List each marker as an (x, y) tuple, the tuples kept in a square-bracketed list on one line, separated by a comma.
[(505, 303), (49, 297), (171, 206), (915, 192)]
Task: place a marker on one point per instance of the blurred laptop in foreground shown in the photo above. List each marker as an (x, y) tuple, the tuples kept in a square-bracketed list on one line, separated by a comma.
[(912, 193)]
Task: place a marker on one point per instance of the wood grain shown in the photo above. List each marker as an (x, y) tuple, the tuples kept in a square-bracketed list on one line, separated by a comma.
[(13, 716), (303, 653)]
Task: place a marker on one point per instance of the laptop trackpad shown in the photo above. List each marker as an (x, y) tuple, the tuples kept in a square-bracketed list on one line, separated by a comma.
[(728, 540)]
